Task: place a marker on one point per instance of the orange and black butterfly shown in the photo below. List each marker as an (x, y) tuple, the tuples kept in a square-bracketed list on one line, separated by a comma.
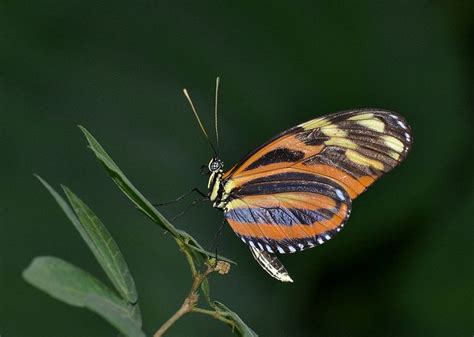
[(295, 191)]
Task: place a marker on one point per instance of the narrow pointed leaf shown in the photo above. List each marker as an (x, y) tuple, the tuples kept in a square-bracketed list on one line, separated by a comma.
[(242, 328), (108, 257), (74, 286), (104, 247), (126, 186)]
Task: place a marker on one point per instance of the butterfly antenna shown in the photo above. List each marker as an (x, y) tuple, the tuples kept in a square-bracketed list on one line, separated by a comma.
[(215, 114), (199, 120)]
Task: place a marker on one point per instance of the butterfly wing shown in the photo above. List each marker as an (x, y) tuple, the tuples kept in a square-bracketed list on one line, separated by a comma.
[(353, 148), (288, 212), (295, 191)]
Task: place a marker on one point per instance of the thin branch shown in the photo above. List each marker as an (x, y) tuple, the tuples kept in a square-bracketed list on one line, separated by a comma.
[(189, 302), (185, 308), (214, 314)]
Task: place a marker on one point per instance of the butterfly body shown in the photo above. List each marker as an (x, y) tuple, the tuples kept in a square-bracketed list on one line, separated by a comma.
[(295, 191)]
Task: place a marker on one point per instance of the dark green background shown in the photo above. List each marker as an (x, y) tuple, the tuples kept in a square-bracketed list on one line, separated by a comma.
[(404, 264)]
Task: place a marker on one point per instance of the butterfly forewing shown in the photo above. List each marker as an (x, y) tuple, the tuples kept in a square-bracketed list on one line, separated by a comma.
[(295, 191)]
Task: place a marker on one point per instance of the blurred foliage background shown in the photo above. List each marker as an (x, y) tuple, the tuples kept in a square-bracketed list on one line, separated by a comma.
[(403, 265)]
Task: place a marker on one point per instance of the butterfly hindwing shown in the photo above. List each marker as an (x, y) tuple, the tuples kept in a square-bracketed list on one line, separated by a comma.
[(295, 191), (288, 212)]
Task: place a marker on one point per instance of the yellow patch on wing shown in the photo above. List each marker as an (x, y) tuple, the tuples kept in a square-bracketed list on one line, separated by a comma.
[(361, 117), (342, 142), (373, 124), (394, 155), (360, 159), (393, 143), (332, 130), (315, 123), (236, 203)]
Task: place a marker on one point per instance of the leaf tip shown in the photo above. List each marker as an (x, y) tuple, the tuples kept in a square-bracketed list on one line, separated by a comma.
[(42, 181), (83, 130), (28, 273), (65, 188)]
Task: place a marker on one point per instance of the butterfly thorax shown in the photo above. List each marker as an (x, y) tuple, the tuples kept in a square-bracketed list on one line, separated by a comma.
[(216, 186)]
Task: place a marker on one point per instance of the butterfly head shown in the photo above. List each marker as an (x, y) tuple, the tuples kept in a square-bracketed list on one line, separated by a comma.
[(215, 165)]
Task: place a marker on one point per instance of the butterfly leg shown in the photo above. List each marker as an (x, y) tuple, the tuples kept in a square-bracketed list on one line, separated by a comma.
[(215, 243), (194, 190), (271, 264), (192, 204)]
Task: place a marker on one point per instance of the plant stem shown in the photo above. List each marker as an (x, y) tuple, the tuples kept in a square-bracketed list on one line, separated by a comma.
[(189, 302), (185, 308), (214, 314)]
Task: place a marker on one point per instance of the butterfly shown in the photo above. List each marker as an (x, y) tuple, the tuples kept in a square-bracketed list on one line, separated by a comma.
[(295, 191)]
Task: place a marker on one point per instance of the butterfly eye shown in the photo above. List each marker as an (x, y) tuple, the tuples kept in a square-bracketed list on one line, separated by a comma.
[(215, 165)]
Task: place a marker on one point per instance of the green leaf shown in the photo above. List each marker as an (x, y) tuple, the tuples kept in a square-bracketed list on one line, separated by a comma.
[(242, 328), (63, 280), (126, 186), (101, 244), (114, 315), (206, 291), (139, 200), (104, 247), (74, 286)]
